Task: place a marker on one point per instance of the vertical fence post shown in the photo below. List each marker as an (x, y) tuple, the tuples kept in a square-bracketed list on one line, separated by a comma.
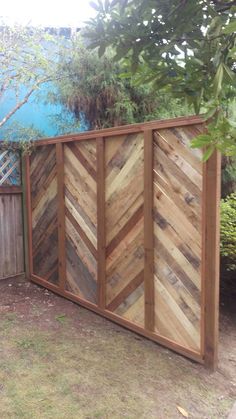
[(148, 231), (27, 216), (211, 216), (101, 227), (61, 215)]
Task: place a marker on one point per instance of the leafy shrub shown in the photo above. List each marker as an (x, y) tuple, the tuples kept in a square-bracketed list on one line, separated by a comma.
[(228, 231)]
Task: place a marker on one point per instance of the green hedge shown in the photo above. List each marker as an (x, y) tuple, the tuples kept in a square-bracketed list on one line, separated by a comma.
[(228, 232)]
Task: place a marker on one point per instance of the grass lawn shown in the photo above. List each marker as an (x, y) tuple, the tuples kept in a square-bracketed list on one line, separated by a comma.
[(58, 360)]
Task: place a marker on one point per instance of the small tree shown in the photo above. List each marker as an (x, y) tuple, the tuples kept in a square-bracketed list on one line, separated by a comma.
[(27, 59), (100, 91), (187, 47)]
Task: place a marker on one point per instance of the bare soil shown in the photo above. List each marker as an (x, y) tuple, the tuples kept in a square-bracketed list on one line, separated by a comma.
[(58, 360)]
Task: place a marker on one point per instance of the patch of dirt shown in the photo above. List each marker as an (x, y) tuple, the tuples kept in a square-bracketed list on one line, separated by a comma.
[(58, 360)]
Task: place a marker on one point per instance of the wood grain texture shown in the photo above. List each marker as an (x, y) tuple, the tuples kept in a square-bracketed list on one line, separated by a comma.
[(101, 230), (124, 195), (26, 212), (11, 236), (137, 215), (44, 195), (61, 215), (11, 214), (177, 230), (80, 162), (211, 253), (148, 232)]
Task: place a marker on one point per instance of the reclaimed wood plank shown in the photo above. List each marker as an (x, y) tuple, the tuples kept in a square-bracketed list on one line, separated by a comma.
[(61, 215), (211, 251), (148, 231), (101, 232)]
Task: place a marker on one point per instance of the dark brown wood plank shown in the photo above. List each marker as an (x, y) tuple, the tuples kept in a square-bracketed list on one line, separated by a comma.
[(148, 231), (124, 231), (210, 257), (101, 234), (10, 190), (83, 160), (29, 212), (25, 218), (61, 216), (11, 235), (130, 287), (81, 233)]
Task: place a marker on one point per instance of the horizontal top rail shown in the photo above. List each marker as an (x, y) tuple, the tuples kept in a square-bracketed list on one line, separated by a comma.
[(10, 189), (122, 130)]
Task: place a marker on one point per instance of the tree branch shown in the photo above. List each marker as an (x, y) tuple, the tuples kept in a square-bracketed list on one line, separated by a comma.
[(27, 96), (18, 106), (222, 7)]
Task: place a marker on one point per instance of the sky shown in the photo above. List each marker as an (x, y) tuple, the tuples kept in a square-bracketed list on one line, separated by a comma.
[(53, 13)]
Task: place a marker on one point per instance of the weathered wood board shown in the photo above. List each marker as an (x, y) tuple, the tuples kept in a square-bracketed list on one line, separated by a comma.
[(132, 203), (11, 219), (178, 185), (81, 219), (11, 236), (43, 177), (124, 199)]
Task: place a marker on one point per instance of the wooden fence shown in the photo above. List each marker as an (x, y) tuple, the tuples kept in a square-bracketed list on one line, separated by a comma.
[(125, 221), (11, 219)]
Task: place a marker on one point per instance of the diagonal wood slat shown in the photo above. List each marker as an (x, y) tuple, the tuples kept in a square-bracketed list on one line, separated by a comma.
[(124, 196), (81, 219), (126, 211), (44, 213), (177, 235)]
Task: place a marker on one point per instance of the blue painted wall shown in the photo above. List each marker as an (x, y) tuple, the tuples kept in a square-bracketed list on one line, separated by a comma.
[(36, 112)]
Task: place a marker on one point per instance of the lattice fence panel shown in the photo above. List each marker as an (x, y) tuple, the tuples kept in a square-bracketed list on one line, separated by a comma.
[(10, 167)]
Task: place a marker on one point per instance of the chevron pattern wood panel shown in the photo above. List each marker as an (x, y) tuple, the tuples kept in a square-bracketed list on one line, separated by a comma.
[(81, 219), (177, 234), (124, 198), (44, 213), (139, 255)]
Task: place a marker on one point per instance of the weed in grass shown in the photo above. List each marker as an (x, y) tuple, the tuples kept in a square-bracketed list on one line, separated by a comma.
[(61, 318), (11, 317), (7, 322), (25, 343)]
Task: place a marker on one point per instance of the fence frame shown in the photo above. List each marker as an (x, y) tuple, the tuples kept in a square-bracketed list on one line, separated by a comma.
[(210, 236)]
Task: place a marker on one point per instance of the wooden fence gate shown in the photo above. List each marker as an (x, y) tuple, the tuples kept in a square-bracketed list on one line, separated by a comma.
[(11, 215), (125, 222)]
